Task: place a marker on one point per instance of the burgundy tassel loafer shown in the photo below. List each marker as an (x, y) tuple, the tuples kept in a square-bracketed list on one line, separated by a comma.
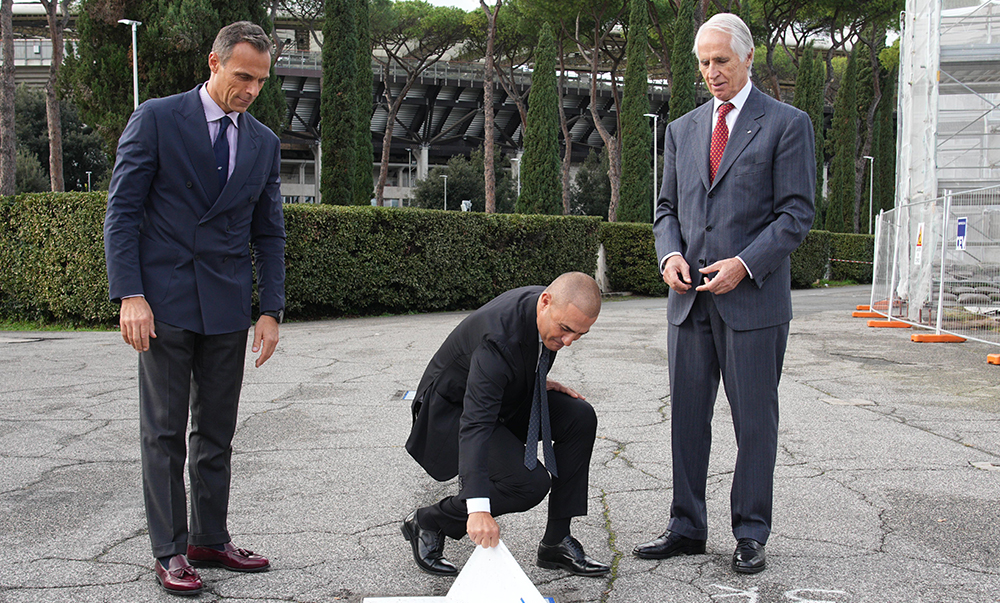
[(179, 578), (232, 558)]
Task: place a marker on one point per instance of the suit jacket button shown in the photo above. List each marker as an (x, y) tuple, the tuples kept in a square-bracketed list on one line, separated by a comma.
[(710, 195), (189, 184), (197, 257), (708, 229), (701, 262)]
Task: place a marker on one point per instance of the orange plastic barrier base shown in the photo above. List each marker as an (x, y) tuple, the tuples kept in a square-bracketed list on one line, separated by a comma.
[(863, 308), (993, 359), (934, 338), (888, 324), (860, 314)]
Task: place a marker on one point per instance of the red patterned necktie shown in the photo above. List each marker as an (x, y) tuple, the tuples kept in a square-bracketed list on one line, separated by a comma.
[(719, 138)]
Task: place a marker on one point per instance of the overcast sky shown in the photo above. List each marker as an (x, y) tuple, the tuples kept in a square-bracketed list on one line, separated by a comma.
[(465, 5)]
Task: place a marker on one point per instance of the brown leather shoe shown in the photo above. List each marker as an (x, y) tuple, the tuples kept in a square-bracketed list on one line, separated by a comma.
[(179, 578), (232, 558)]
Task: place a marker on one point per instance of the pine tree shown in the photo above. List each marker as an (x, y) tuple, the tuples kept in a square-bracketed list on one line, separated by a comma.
[(840, 210), (819, 123), (684, 63), (338, 102), (541, 185), (637, 157), (592, 187), (364, 184)]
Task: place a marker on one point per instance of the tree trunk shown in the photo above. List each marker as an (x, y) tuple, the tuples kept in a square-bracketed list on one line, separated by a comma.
[(8, 160), (52, 112), (383, 171), (489, 172), (567, 135)]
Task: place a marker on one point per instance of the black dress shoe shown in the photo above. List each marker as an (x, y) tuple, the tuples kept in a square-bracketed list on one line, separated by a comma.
[(749, 557), (428, 548), (569, 555), (669, 544)]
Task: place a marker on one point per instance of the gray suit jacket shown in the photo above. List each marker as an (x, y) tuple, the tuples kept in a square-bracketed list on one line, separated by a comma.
[(760, 206)]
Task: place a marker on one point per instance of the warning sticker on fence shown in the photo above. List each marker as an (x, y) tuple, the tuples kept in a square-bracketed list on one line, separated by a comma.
[(960, 239), (918, 252)]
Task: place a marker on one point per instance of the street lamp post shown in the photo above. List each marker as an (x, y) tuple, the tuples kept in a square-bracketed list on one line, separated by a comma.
[(445, 176), (409, 174), (871, 181), (88, 182), (135, 64), (655, 118), (517, 172)]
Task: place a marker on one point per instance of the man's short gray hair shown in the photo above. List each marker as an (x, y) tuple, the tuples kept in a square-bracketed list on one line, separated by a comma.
[(236, 33), (740, 38)]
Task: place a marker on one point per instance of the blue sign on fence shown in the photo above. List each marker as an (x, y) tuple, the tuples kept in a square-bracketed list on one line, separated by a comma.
[(960, 240)]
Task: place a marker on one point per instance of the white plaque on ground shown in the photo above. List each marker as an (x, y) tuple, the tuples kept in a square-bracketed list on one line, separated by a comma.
[(489, 576)]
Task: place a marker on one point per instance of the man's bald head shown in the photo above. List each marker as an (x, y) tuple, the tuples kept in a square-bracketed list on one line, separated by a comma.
[(578, 289)]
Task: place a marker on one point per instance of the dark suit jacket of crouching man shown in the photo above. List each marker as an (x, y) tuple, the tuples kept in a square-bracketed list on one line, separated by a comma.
[(472, 417)]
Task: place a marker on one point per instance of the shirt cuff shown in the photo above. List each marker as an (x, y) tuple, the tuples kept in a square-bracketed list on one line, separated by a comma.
[(663, 261), (750, 274), (133, 295), (477, 505)]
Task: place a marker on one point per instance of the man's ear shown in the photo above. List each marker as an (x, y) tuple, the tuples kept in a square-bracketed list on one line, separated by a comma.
[(213, 62)]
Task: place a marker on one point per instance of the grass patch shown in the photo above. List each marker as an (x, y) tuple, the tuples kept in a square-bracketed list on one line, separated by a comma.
[(7, 324)]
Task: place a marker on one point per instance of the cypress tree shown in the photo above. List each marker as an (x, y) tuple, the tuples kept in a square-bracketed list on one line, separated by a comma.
[(364, 184), (840, 210), (684, 63), (809, 83), (338, 102), (637, 157), (884, 146), (541, 183)]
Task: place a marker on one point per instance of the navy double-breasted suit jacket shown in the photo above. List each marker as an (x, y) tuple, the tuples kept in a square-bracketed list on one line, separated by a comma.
[(171, 235)]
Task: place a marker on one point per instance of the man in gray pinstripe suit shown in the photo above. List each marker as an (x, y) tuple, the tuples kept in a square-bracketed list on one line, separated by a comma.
[(737, 199)]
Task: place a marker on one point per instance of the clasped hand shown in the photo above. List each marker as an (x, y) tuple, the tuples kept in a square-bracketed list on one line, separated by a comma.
[(728, 274)]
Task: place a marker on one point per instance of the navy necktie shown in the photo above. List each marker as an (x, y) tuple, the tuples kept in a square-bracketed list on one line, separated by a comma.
[(540, 419), (221, 149)]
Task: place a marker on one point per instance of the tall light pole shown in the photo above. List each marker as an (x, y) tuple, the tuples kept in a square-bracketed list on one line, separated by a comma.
[(517, 172), (409, 173), (445, 176), (655, 192), (871, 181), (135, 62), (88, 182)]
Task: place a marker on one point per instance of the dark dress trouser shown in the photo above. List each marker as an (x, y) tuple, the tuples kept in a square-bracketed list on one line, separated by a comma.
[(750, 363), (515, 488), (184, 370)]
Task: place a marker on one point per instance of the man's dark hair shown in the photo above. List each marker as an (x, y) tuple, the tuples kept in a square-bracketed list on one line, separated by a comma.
[(235, 33)]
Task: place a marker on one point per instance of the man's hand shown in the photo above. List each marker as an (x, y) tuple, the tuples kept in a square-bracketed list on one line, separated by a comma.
[(677, 274), (559, 387), (136, 322), (729, 273), (483, 529), (265, 338)]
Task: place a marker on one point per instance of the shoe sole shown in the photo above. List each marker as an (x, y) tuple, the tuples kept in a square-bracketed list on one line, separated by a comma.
[(749, 570), (408, 535), (182, 593), (552, 565), (685, 551), (195, 563)]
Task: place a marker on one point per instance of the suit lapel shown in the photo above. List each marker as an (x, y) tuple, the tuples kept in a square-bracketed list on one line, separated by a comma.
[(246, 157), (745, 128), (190, 119)]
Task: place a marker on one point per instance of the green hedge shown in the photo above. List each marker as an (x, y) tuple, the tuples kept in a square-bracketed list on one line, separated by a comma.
[(809, 260), (851, 257), (631, 258), (364, 260)]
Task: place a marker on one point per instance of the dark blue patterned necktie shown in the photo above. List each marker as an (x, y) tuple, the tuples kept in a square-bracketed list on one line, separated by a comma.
[(540, 419), (221, 149)]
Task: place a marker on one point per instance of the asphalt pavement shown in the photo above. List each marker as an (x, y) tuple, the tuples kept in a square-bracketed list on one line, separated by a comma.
[(887, 481)]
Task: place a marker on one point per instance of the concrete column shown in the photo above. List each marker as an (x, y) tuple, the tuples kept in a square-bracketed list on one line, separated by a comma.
[(318, 156), (422, 161)]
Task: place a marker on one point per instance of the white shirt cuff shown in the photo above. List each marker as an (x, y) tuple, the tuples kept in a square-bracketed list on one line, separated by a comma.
[(134, 295), (477, 505), (663, 260)]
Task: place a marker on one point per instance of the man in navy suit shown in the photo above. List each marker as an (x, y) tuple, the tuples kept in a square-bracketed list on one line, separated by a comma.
[(737, 199), (195, 184), (484, 395)]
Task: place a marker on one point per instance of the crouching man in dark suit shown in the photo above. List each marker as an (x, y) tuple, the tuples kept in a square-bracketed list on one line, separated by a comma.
[(483, 396)]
